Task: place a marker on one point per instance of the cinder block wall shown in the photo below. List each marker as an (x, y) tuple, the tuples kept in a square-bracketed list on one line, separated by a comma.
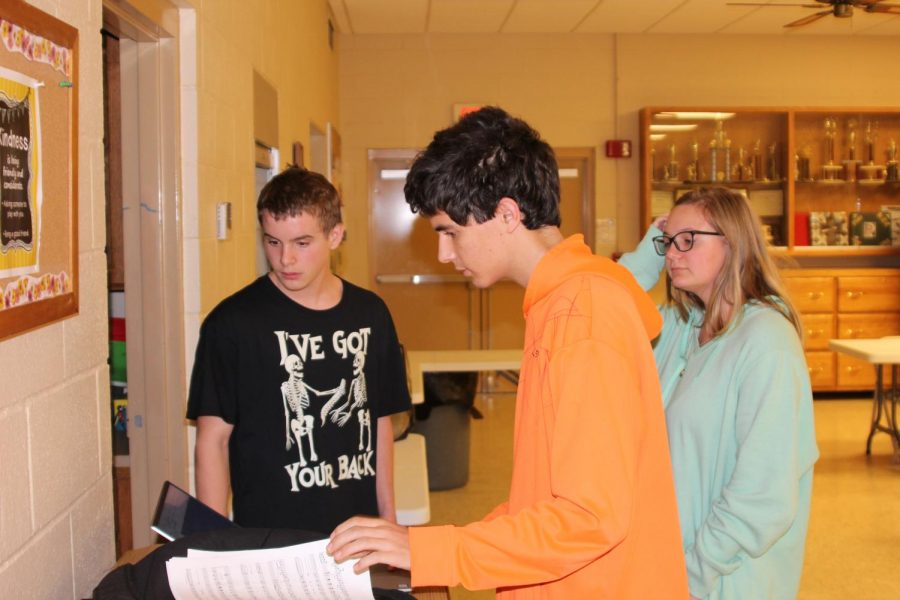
[(56, 514)]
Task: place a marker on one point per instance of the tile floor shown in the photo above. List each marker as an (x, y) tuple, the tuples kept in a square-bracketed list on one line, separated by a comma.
[(854, 539)]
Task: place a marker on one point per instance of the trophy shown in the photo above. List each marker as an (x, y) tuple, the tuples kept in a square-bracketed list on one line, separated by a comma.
[(773, 168), (870, 171), (720, 143), (802, 168), (744, 168), (693, 168), (830, 171), (672, 167), (892, 173), (851, 163), (757, 163), (727, 170)]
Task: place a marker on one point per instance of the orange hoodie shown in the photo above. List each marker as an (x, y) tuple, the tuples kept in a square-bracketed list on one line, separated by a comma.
[(591, 511)]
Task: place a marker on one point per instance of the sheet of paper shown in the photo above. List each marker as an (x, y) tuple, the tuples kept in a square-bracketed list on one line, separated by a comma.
[(301, 572)]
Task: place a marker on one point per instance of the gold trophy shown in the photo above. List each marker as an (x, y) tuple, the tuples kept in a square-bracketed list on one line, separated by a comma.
[(830, 171), (672, 167), (773, 165), (693, 168), (802, 172), (871, 172), (892, 172), (757, 162), (851, 163)]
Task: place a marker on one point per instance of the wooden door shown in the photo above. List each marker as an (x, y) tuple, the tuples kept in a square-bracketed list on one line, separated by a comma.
[(434, 307), (429, 301)]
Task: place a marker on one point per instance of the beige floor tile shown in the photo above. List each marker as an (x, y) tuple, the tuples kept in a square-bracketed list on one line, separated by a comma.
[(854, 537)]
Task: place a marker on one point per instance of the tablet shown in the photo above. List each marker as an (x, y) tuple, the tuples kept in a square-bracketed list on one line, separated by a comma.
[(179, 514), (390, 579)]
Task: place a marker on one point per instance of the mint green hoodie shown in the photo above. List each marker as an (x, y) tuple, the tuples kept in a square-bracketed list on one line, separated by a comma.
[(740, 425)]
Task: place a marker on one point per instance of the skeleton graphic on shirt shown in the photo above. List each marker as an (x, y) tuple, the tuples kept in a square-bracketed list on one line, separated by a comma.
[(356, 402), (295, 394)]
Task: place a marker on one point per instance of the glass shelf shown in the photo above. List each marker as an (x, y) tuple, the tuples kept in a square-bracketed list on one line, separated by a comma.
[(753, 143)]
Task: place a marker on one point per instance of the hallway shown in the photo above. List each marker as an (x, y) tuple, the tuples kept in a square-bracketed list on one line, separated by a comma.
[(854, 536)]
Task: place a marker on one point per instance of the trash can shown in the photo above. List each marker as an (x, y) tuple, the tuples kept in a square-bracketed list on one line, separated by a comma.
[(443, 418)]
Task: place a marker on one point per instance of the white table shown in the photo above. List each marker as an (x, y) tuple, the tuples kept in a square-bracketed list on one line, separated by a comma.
[(427, 361), (411, 481), (879, 352)]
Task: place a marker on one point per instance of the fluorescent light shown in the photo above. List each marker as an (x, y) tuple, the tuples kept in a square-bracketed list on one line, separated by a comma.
[(394, 173), (694, 115), (680, 127), (655, 137)]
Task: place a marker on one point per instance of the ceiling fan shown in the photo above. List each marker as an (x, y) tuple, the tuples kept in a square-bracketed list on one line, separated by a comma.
[(839, 8)]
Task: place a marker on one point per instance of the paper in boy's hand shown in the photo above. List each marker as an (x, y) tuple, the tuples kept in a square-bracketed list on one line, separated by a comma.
[(301, 572)]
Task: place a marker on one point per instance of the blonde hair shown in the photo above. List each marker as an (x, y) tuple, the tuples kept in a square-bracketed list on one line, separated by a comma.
[(749, 273)]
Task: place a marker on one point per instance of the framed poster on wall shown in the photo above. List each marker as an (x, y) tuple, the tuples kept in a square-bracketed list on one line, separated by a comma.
[(38, 169)]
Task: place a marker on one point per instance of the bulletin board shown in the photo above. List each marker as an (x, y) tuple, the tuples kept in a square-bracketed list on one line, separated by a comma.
[(38, 168)]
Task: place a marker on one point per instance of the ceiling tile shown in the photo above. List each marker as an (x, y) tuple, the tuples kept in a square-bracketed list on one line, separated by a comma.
[(595, 16), (626, 16), (701, 16), (468, 16), (772, 19), (387, 16), (884, 26), (547, 16)]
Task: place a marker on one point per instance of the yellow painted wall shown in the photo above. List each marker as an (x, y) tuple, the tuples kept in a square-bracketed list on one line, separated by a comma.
[(582, 90), (56, 515), (286, 42)]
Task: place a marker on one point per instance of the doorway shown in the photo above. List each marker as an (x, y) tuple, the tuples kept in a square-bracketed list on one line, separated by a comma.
[(144, 252), (434, 307)]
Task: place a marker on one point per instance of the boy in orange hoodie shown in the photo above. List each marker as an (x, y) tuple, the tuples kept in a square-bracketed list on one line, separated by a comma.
[(591, 510)]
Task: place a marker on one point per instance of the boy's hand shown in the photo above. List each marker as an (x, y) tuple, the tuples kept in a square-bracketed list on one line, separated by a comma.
[(373, 541)]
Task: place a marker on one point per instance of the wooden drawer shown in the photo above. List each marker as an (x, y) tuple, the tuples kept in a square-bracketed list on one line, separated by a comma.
[(811, 294), (868, 294), (821, 369), (868, 325), (817, 330), (855, 374)]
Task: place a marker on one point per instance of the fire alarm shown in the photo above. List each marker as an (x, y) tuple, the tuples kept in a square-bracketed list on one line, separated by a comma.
[(618, 148)]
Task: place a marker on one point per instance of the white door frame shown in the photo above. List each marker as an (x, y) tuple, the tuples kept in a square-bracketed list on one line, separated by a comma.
[(154, 312)]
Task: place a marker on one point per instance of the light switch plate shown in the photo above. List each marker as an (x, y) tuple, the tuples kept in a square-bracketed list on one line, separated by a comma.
[(223, 220)]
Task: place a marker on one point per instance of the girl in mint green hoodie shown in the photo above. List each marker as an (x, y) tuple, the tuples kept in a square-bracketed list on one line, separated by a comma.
[(737, 397)]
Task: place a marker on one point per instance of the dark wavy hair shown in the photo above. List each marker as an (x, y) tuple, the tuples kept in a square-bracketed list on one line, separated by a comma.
[(297, 190), (486, 156)]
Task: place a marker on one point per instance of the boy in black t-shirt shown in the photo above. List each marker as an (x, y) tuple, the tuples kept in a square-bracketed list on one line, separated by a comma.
[(295, 378)]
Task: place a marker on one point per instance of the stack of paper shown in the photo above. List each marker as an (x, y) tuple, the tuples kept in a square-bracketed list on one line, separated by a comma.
[(301, 572)]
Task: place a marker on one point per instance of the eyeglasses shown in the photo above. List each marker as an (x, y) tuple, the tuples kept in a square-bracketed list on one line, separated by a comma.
[(683, 240)]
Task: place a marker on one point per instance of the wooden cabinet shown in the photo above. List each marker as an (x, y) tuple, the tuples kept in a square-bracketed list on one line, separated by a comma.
[(843, 303), (821, 180)]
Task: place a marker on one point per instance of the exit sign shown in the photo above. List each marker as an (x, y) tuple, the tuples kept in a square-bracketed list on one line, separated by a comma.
[(461, 110)]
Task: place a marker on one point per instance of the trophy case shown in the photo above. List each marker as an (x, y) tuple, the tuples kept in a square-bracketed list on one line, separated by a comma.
[(826, 187), (846, 188), (824, 182)]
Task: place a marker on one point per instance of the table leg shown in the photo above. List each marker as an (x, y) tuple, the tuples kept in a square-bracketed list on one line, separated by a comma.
[(876, 408), (895, 431)]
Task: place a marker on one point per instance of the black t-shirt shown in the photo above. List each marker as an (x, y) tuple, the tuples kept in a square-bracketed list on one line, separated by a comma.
[(304, 389)]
